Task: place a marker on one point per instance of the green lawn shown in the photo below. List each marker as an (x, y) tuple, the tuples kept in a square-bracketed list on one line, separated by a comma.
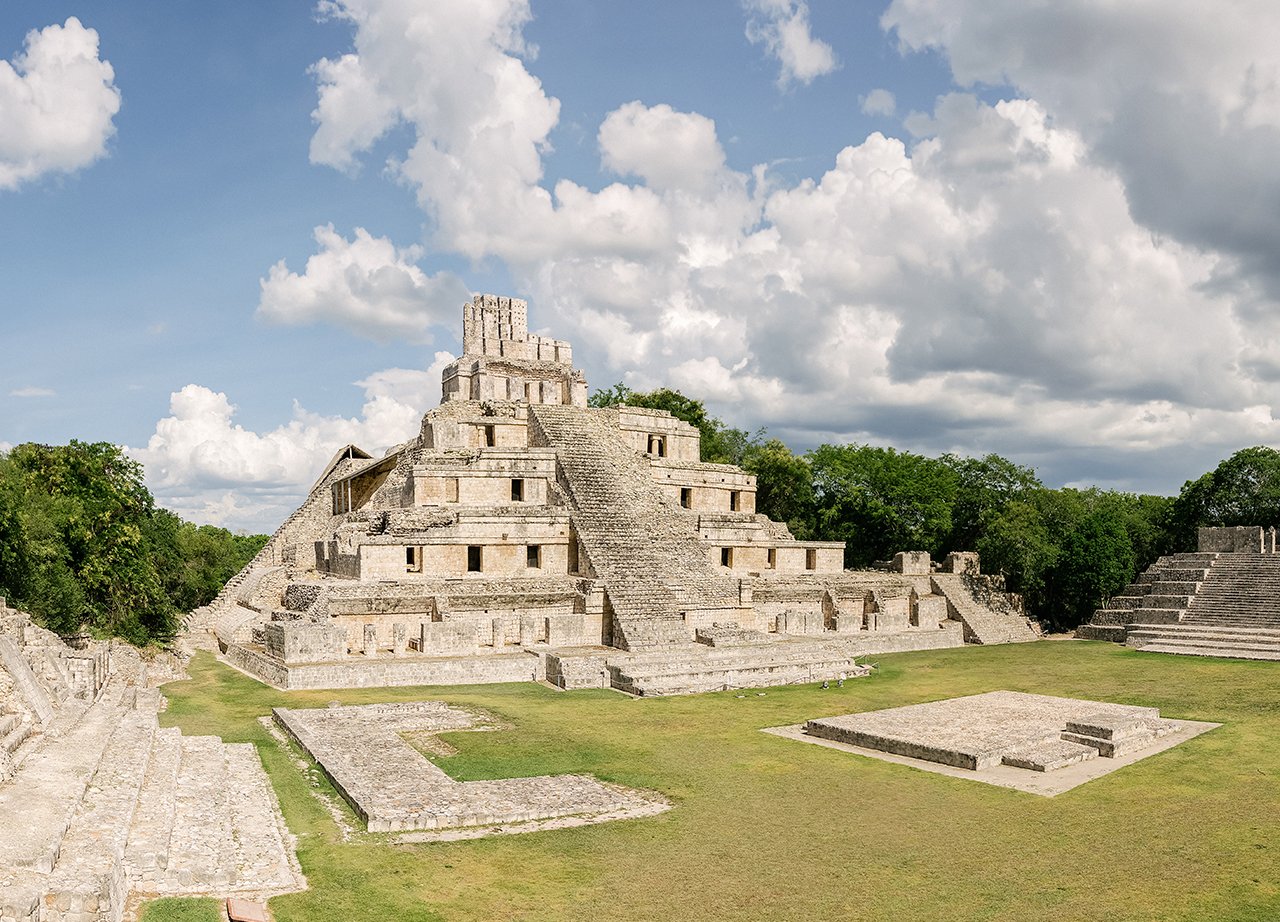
[(766, 828)]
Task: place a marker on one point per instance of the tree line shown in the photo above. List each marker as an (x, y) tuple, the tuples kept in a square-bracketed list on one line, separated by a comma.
[(83, 546), (1065, 550)]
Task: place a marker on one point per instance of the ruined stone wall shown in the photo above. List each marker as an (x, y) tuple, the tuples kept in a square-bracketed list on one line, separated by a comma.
[(705, 487), (640, 427), (1238, 539)]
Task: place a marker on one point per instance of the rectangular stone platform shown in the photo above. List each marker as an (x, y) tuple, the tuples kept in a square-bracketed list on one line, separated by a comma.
[(1037, 743), (387, 671), (393, 787)]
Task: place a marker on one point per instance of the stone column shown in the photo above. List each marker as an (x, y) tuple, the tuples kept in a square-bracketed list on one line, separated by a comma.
[(370, 640), (499, 634), (399, 638), (528, 630)]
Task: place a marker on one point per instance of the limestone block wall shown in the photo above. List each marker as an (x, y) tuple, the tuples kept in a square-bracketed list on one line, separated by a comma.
[(486, 479), (705, 487), (303, 641), (1239, 539), (470, 425), (497, 556), (911, 563), (659, 434)]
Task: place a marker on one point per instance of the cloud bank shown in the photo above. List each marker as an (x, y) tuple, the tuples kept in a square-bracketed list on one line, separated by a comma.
[(1080, 274)]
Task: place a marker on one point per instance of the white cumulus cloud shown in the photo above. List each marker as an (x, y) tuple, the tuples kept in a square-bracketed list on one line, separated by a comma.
[(365, 284), (782, 27), (990, 282), (57, 102)]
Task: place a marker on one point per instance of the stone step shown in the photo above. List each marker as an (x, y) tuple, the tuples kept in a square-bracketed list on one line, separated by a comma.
[(147, 852), (15, 738), (1226, 652), (199, 846), (1217, 634), (89, 876), (39, 803), (260, 844), (1049, 756)]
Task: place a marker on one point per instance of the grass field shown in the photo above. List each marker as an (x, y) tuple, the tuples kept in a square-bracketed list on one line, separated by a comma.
[(766, 828)]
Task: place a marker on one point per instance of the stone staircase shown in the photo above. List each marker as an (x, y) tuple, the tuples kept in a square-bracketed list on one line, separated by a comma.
[(698, 668), (102, 808), (648, 556), (1198, 604), (986, 620), (1161, 594)]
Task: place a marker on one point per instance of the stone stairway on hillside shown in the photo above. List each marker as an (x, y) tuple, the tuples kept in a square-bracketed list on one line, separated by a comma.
[(107, 804), (636, 541), (984, 622)]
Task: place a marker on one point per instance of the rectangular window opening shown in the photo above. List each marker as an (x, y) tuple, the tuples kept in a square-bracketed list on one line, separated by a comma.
[(811, 559), (413, 560), (473, 558), (490, 438), (735, 500), (772, 560), (533, 557), (726, 557), (686, 497), (517, 490)]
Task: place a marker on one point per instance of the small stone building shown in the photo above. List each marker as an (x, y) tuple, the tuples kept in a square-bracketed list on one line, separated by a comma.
[(523, 535)]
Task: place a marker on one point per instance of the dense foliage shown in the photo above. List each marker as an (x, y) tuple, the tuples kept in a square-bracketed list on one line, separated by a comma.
[(83, 545), (1065, 550)]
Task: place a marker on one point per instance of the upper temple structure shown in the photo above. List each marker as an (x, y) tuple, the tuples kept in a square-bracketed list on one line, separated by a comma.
[(525, 536)]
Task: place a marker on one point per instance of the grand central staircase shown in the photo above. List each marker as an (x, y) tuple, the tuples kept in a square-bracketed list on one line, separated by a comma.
[(1198, 604), (652, 564)]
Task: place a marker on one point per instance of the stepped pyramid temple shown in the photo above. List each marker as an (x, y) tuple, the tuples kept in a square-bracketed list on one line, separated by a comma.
[(1223, 600), (525, 536)]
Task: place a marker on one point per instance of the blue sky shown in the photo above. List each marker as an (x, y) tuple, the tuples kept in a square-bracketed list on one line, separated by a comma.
[(234, 237)]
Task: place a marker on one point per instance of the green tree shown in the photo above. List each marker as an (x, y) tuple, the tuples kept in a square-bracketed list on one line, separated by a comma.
[(984, 486), (784, 485), (1244, 489), (880, 501)]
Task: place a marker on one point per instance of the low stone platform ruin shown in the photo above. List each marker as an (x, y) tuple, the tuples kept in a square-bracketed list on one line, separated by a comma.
[(1037, 743), (521, 526), (99, 806), (394, 787), (1223, 600)]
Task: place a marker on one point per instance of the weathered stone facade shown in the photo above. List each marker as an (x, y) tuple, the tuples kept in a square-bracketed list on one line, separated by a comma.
[(520, 526)]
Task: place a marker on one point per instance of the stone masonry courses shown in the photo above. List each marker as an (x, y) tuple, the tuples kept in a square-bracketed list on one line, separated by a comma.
[(523, 536), (100, 807)]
